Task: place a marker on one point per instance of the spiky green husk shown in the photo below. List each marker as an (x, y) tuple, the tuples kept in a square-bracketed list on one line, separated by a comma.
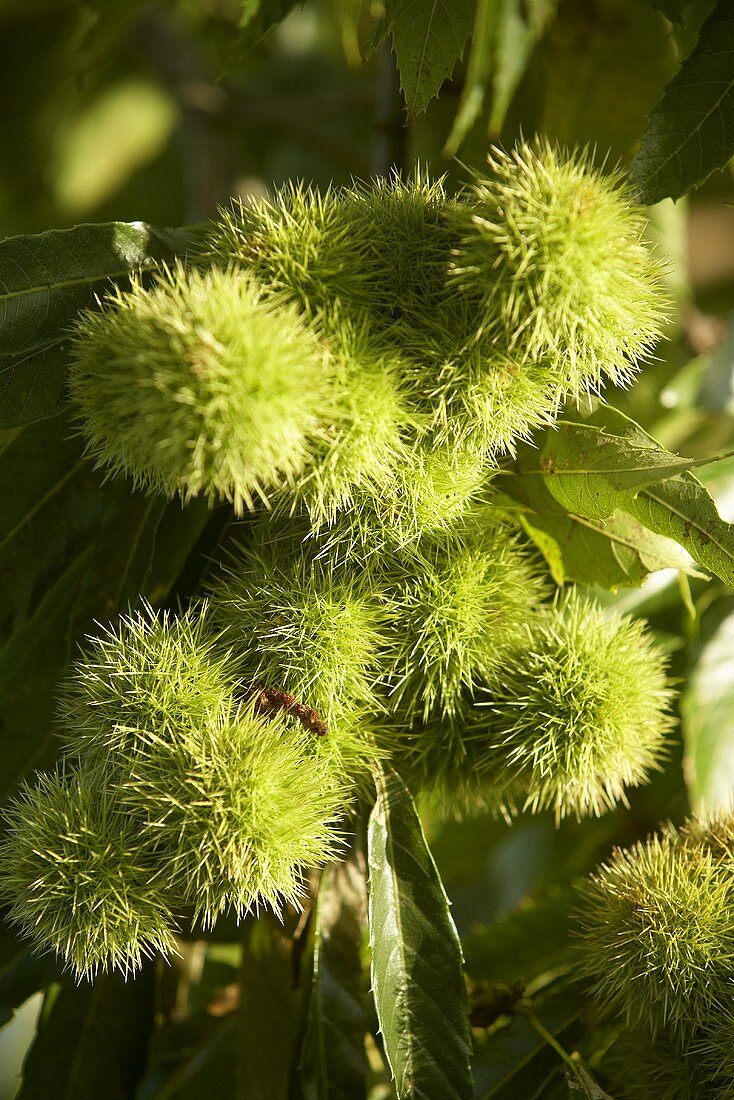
[(657, 936), (295, 245), (77, 879), (642, 1066), (437, 491), (372, 432), (577, 713), (715, 833), (532, 285), (430, 496), (237, 808), (400, 235), (553, 254), (200, 386), (296, 622), (436, 760), (456, 607), (380, 252), (482, 398), (149, 672), (369, 383)]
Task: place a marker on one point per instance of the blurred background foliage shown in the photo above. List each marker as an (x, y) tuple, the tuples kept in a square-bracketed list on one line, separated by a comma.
[(159, 113)]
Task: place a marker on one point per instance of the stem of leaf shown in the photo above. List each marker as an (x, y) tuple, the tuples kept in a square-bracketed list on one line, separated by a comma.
[(389, 151), (563, 1054)]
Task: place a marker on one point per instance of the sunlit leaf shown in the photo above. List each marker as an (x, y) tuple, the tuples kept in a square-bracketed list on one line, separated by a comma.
[(417, 976), (258, 16), (708, 723), (681, 509), (591, 466)]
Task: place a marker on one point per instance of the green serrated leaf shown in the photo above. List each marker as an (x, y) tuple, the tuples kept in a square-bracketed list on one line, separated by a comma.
[(592, 466), (429, 38), (616, 55), (417, 976), (505, 32), (521, 26), (45, 279), (334, 1063), (707, 709), (681, 509), (606, 504), (612, 553), (382, 12), (691, 128), (478, 70), (92, 1039)]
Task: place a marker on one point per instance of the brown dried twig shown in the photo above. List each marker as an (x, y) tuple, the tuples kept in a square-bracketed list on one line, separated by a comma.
[(270, 700)]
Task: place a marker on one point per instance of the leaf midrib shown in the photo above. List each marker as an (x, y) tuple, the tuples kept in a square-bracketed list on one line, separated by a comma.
[(686, 519), (398, 920), (421, 64), (85, 280), (42, 502)]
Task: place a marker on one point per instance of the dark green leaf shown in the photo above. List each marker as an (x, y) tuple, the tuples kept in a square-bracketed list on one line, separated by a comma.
[(194, 1049), (417, 977), (691, 129), (708, 723), (513, 1061), (382, 12), (50, 505), (681, 508), (521, 25), (268, 1016), (580, 1080), (92, 1040), (334, 1064), (44, 281), (429, 38), (504, 36), (479, 67), (525, 943), (600, 66), (206, 1066), (31, 664)]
